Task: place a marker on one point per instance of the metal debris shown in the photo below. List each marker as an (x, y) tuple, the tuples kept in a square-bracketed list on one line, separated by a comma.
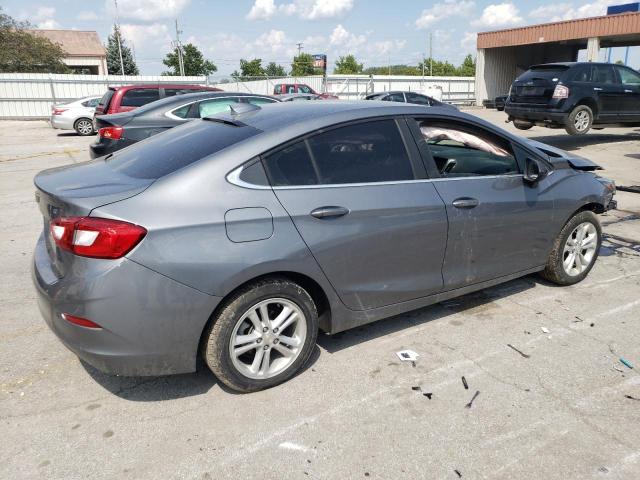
[(520, 352), (458, 473), (475, 395), (632, 398), (626, 363), (464, 382)]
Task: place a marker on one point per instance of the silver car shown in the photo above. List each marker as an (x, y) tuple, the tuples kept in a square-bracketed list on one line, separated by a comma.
[(76, 115), (238, 236)]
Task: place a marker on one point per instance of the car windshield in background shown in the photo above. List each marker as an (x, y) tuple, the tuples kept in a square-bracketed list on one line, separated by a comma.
[(177, 148)]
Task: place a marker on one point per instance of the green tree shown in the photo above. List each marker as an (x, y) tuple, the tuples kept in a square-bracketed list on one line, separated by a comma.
[(194, 62), (394, 70), (440, 69), (468, 67), (348, 65), (302, 65), (113, 55), (25, 52), (249, 68), (275, 70)]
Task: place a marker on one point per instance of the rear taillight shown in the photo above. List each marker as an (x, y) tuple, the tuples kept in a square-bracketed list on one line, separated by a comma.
[(59, 111), (96, 237), (561, 92), (83, 322), (112, 133)]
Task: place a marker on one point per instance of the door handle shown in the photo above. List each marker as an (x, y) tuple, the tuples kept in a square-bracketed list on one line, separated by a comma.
[(329, 212), (597, 89), (465, 202), (628, 91)]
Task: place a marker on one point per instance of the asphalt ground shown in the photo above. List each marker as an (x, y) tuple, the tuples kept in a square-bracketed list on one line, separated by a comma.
[(569, 410)]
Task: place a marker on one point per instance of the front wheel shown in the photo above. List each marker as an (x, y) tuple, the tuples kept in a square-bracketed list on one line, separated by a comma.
[(84, 127), (579, 120), (575, 250), (265, 333)]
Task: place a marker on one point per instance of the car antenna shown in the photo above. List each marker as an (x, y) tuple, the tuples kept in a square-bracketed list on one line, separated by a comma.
[(240, 108)]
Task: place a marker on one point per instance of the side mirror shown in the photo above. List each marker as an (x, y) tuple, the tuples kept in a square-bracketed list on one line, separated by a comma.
[(532, 171)]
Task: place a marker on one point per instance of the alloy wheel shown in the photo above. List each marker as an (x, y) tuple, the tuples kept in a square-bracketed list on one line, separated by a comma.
[(268, 338), (84, 127), (581, 120), (580, 249)]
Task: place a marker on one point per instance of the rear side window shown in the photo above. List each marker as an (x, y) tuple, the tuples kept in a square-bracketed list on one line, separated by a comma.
[(417, 99), (461, 151), (394, 97), (136, 97), (176, 148), (218, 105), (604, 74), (367, 152)]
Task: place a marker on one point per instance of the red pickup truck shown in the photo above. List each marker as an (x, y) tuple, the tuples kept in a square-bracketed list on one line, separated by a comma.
[(285, 88)]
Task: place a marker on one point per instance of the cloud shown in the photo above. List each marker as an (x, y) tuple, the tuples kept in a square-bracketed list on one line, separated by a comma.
[(469, 41), (155, 35), (305, 9), (262, 10), (440, 11), (498, 15), (43, 18), (273, 40), (568, 11), (342, 37), (147, 10), (87, 15)]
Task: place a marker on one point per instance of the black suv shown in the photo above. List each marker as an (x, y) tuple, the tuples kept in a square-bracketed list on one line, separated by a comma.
[(575, 96)]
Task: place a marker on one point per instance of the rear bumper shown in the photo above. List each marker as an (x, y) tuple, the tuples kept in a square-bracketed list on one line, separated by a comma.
[(151, 325), (104, 147), (535, 113), (61, 122)]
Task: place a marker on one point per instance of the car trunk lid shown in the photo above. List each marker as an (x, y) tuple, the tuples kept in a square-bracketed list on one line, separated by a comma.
[(75, 191)]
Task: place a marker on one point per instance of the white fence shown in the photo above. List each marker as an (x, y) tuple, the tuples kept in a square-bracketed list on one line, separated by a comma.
[(31, 95)]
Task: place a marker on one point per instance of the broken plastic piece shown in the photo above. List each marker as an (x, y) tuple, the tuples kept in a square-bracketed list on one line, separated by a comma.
[(544, 329), (407, 355), (464, 382), (626, 363), (520, 352), (458, 473), (428, 395), (416, 389), (475, 395), (631, 398)]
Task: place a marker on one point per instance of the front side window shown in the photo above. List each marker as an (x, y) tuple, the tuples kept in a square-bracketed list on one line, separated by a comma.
[(138, 97), (260, 100), (215, 106), (604, 74), (629, 77), (461, 151), (417, 99), (367, 152), (304, 89), (394, 97)]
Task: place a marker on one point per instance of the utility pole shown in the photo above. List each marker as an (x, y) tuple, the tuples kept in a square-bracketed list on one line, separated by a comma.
[(300, 47), (118, 35), (431, 54), (179, 48)]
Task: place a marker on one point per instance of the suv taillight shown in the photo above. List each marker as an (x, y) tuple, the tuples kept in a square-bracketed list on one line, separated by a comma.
[(96, 237), (561, 91), (112, 133)]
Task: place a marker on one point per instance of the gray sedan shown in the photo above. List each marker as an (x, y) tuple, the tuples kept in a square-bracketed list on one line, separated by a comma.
[(238, 236)]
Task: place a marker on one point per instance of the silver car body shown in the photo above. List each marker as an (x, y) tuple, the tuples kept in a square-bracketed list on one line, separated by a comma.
[(82, 108), (403, 244)]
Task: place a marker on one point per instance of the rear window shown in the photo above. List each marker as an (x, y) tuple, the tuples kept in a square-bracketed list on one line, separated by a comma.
[(545, 72), (176, 148), (106, 99), (136, 97)]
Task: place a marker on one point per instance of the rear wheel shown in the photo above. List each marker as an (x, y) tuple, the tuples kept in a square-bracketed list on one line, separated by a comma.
[(264, 335), (84, 127), (575, 250), (522, 124), (579, 120)]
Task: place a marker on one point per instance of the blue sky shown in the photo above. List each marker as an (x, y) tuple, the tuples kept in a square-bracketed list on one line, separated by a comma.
[(376, 31)]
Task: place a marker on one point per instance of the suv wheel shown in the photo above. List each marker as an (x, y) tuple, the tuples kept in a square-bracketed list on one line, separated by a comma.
[(579, 120), (575, 250), (522, 124), (264, 335)]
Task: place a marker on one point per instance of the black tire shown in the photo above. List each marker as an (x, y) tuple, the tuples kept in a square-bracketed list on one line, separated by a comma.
[(579, 120), (500, 109), (84, 127), (217, 338), (522, 124), (554, 270)]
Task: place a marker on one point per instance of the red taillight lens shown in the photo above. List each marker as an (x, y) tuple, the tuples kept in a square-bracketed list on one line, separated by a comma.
[(58, 111), (561, 92), (96, 237), (83, 322), (112, 133)]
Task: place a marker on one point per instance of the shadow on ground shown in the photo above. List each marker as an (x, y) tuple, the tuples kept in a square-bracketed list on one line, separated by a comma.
[(575, 142), (169, 387)]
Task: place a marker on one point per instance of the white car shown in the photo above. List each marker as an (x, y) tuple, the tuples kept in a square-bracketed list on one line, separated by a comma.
[(76, 115)]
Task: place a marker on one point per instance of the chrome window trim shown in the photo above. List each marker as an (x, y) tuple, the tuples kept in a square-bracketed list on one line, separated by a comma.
[(170, 114), (233, 177)]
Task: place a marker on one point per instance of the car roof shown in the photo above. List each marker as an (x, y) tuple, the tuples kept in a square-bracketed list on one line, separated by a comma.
[(568, 64), (157, 85), (193, 97)]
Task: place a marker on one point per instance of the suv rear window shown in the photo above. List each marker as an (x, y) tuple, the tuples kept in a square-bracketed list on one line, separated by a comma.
[(136, 97), (544, 72), (106, 99), (176, 148)]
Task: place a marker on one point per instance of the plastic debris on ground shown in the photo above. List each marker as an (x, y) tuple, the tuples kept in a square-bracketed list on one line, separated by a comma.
[(525, 355), (475, 395), (408, 356), (626, 363), (544, 330), (464, 383)]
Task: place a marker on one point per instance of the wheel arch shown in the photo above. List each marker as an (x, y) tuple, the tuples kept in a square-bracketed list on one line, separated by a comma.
[(590, 206), (314, 289), (589, 102)]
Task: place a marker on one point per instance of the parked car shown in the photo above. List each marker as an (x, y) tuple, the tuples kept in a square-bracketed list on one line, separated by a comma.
[(294, 97), (238, 236), (123, 129), (500, 102), (129, 97), (576, 96), (76, 115), (288, 88), (409, 97)]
